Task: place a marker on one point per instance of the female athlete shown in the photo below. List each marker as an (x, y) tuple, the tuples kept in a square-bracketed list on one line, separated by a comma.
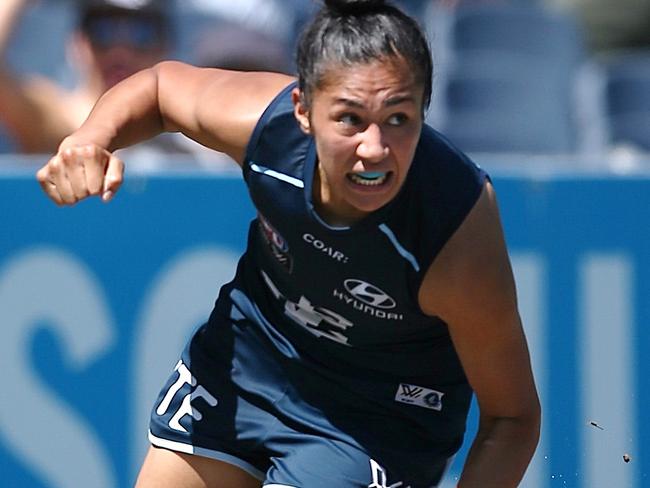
[(375, 294)]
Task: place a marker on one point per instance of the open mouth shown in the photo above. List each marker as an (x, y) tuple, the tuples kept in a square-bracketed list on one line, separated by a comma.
[(368, 178)]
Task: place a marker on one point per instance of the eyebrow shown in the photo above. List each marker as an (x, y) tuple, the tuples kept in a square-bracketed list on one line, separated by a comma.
[(388, 103)]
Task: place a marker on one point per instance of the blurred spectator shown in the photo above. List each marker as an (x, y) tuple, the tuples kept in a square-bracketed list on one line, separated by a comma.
[(229, 45), (454, 4), (412, 7), (611, 24), (113, 39), (232, 46), (280, 19)]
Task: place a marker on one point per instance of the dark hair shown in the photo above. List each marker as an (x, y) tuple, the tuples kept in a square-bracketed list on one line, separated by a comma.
[(347, 32)]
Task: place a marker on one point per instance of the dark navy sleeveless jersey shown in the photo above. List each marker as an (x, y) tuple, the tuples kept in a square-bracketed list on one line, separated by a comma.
[(317, 367), (346, 298)]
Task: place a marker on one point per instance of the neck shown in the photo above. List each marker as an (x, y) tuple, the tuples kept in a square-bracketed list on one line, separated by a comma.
[(335, 211)]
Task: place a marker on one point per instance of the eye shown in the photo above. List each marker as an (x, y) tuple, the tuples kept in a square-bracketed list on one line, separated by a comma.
[(397, 119), (349, 119)]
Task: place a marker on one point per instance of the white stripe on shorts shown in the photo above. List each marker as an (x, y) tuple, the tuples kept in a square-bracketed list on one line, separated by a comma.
[(209, 453)]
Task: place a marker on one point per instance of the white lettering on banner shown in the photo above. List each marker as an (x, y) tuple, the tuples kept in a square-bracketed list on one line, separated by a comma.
[(606, 306), (179, 298), (530, 270), (185, 377), (48, 286)]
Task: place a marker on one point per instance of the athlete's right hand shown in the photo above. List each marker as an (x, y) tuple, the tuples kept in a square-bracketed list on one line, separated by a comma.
[(80, 171)]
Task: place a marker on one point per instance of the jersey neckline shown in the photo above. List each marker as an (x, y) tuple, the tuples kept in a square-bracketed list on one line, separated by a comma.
[(372, 220)]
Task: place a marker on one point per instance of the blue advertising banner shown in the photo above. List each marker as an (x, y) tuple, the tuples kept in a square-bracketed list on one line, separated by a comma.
[(97, 300)]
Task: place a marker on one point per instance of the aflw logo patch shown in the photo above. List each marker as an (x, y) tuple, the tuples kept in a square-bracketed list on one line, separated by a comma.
[(419, 396), (276, 243)]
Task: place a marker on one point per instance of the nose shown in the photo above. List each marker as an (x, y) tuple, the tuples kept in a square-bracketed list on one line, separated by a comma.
[(372, 147)]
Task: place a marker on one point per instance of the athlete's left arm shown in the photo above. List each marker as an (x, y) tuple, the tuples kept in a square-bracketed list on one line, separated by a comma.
[(471, 287)]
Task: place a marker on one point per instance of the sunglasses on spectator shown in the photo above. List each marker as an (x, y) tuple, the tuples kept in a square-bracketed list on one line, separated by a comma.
[(137, 32)]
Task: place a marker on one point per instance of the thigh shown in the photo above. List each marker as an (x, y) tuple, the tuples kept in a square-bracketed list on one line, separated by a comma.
[(168, 469), (319, 462), (207, 407)]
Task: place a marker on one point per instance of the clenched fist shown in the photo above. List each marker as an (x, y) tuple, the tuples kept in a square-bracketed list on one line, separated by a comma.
[(77, 172)]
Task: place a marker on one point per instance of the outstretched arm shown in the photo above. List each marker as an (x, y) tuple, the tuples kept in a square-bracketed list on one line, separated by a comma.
[(10, 11), (26, 105), (470, 286), (217, 108)]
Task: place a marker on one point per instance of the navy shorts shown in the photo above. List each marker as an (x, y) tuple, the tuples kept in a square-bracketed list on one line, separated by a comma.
[(235, 398)]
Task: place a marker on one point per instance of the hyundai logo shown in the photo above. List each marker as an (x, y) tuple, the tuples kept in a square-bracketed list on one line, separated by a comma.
[(369, 294)]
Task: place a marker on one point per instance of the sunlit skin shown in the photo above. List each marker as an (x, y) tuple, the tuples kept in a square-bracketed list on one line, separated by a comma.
[(364, 118)]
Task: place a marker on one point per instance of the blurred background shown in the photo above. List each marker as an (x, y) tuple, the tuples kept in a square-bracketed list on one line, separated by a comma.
[(552, 97)]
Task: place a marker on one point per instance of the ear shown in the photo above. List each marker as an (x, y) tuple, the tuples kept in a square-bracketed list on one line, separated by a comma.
[(300, 110)]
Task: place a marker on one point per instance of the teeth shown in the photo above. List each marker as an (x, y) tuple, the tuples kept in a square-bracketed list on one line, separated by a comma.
[(368, 178)]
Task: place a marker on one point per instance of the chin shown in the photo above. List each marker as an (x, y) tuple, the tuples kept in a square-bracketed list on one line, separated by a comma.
[(369, 205), (371, 201)]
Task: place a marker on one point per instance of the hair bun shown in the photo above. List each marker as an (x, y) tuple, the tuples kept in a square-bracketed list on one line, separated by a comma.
[(350, 6)]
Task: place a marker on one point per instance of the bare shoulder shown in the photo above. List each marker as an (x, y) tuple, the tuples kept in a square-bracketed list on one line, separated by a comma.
[(473, 268), (245, 94), (223, 83)]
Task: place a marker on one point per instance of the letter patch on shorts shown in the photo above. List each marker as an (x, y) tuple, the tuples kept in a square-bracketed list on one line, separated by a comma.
[(419, 396), (185, 377)]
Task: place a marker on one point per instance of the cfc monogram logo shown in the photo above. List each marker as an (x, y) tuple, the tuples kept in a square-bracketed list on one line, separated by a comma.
[(379, 477), (319, 321), (184, 378)]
